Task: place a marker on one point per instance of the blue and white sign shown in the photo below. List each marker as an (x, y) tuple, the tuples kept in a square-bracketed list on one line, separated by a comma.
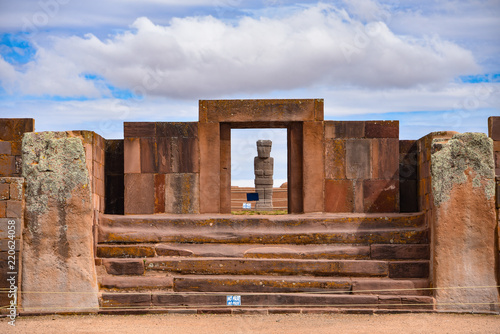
[(233, 300), (247, 205)]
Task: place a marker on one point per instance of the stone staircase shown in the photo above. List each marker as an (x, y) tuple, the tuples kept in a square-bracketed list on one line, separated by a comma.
[(264, 264)]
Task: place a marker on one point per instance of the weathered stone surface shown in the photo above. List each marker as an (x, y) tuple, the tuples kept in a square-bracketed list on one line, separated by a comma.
[(182, 193), (125, 300), (385, 158), (494, 127), (464, 226), (124, 251), (261, 110), (403, 252), (335, 159), (210, 192), (264, 170), (410, 269), (344, 129), (313, 164), (124, 266), (358, 159), (339, 196), (132, 155), (139, 129), (383, 286), (136, 282), (5, 147), (139, 194), (382, 129), (58, 241), (381, 195)]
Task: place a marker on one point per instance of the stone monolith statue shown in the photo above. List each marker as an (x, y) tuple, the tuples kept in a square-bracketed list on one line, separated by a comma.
[(264, 169)]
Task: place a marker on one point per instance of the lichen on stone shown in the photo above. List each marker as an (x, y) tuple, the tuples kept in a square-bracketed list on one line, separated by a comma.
[(462, 154), (53, 165)]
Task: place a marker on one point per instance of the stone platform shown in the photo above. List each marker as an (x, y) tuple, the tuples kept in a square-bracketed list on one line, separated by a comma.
[(302, 262)]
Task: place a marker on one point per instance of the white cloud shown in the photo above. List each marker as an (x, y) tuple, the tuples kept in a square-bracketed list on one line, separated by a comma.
[(199, 57)]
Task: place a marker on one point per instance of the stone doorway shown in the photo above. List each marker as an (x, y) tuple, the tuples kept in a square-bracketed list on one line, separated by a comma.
[(303, 120)]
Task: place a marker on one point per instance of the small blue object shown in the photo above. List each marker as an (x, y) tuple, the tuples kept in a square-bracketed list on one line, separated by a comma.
[(247, 205), (233, 300), (252, 197)]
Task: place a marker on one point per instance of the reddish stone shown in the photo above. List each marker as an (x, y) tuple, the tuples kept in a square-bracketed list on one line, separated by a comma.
[(384, 286), (4, 191), (339, 196), (345, 129), (358, 196), (5, 148), (382, 129), (402, 252), (139, 194), (123, 251), (313, 165), (385, 159), (125, 300), (214, 111), (497, 161), (381, 195), (132, 155), (7, 165), (165, 250), (295, 168), (189, 156), (410, 269), (335, 159), (358, 159), (389, 302), (149, 157), (159, 193), (209, 135), (5, 257), (177, 129), (494, 127), (14, 209), (137, 282), (139, 129), (418, 302), (225, 169), (12, 129), (124, 266), (3, 209)]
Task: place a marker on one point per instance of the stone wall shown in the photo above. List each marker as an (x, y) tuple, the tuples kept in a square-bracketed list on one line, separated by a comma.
[(494, 134), (456, 192), (408, 168), (161, 168), (62, 172), (361, 166), (11, 135), (11, 218)]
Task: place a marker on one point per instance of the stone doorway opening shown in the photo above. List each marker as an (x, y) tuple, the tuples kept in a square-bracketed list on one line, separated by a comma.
[(243, 152)]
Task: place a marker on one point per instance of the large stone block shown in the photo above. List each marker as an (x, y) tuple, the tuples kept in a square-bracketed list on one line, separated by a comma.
[(382, 129), (5, 147), (182, 193), (494, 127), (57, 239), (132, 155), (177, 129), (339, 196), (344, 129), (139, 129), (358, 159), (7, 165), (139, 194), (385, 159), (210, 167), (313, 165), (463, 230), (214, 111), (149, 157), (335, 159), (12, 129), (381, 195)]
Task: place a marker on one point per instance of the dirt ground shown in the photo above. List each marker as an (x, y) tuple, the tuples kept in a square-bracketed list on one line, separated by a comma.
[(243, 324)]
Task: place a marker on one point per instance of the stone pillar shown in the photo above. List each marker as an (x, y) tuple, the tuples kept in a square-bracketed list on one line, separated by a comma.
[(463, 223), (58, 259), (264, 169)]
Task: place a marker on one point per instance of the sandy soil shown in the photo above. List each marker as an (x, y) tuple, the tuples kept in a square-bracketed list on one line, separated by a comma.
[(243, 324)]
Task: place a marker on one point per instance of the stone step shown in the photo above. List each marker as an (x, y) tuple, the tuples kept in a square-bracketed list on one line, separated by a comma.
[(283, 251), (199, 300), (280, 284), (228, 235), (271, 223), (250, 266)]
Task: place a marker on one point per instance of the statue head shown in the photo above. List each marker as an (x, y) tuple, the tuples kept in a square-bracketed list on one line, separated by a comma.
[(264, 148)]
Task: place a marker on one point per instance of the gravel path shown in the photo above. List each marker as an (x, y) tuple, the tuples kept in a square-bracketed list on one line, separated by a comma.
[(243, 324)]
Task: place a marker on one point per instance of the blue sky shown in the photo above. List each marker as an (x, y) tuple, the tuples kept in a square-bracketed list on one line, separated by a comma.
[(432, 65)]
